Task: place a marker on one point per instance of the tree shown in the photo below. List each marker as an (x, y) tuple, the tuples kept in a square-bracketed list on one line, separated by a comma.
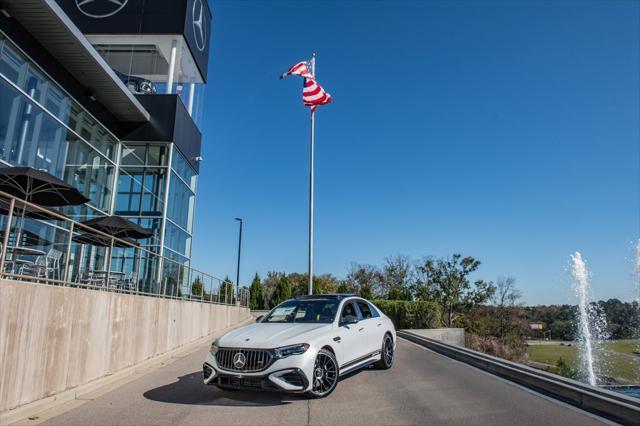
[(397, 276), (282, 291), (226, 290), (505, 299), (196, 287), (269, 287), (324, 284), (364, 280), (446, 282), (343, 287), (257, 293)]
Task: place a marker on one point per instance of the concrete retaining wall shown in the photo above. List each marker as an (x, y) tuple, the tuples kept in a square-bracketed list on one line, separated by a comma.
[(450, 336), (57, 338)]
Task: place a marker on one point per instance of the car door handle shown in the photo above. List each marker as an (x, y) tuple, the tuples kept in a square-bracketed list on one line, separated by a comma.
[(361, 329), (379, 324), (337, 339)]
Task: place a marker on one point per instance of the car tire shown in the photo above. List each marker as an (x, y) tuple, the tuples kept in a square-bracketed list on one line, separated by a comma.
[(387, 353), (325, 374)]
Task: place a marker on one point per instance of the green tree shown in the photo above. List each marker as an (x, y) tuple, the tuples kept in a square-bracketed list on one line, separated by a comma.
[(227, 291), (397, 277), (257, 293), (445, 281), (343, 287), (324, 284), (196, 287), (365, 281), (282, 291)]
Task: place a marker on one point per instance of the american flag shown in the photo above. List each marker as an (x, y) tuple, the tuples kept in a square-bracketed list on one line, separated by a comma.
[(312, 94)]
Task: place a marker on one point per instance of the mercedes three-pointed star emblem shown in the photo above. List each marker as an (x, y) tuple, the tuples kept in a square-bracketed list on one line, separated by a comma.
[(100, 8), (239, 360), (199, 25)]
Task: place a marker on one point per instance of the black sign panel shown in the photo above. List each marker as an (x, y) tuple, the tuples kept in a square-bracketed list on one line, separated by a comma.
[(190, 18)]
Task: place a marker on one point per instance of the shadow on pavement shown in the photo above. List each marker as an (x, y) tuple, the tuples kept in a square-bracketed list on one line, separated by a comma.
[(189, 389)]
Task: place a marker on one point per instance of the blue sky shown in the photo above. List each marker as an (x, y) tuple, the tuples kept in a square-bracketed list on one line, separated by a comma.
[(508, 131)]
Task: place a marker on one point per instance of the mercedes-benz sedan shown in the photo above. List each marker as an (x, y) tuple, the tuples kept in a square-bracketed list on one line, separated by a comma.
[(303, 345)]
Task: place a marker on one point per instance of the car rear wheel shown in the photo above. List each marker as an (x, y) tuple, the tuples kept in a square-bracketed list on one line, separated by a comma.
[(325, 374), (387, 354)]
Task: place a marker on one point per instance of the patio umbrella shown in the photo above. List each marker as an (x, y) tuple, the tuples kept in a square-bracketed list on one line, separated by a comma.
[(46, 214), (39, 187), (119, 227), (102, 241)]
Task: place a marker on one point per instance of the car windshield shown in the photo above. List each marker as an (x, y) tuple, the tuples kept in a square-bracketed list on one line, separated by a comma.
[(304, 311)]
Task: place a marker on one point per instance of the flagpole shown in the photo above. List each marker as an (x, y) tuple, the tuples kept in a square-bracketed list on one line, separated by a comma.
[(311, 182)]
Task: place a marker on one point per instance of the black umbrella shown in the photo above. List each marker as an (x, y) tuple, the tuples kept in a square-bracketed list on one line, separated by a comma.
[(39, 187), (119, 227), (102, 241), (46, 214)]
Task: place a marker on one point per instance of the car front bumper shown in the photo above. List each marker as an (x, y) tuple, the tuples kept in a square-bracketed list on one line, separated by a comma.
[(289, 374)]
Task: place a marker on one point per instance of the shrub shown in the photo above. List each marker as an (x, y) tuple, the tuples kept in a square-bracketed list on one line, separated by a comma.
[(410, 314), (511, 349)]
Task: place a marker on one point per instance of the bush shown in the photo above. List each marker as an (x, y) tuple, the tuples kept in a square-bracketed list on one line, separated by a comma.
[(408, 314), (511, 349)]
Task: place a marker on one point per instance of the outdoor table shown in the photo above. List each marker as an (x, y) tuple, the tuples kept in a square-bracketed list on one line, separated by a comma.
[(103, 274), (24, 251)]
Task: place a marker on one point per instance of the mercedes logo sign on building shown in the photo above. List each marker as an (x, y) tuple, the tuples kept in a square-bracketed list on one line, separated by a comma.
[(100, 8), (199, 25), (239, 360)]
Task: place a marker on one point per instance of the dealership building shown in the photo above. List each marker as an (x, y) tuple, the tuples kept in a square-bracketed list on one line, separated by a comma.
[(107, 95)]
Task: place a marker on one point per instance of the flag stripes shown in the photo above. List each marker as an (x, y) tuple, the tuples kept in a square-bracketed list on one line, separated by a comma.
[(312, 94)]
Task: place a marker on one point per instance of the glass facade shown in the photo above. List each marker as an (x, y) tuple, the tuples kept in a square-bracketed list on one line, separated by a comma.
[(42, 126)]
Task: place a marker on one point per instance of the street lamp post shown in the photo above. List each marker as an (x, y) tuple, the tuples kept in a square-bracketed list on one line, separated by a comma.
[(238, 270)]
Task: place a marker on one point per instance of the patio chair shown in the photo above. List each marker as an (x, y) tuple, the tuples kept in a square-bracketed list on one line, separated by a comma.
[(87, 277), (130, 283)]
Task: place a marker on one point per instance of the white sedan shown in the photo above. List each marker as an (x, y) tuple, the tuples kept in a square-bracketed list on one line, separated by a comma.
[(303, 345)]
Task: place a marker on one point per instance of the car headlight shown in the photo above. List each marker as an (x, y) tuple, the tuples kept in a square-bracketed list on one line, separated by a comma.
[(286, 351), (214, 348)]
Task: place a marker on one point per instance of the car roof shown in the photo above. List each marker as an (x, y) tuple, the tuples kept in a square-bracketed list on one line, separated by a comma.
[(334, 296)]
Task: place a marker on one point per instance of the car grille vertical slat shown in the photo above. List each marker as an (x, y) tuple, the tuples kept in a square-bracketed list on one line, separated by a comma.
[(255, 359)]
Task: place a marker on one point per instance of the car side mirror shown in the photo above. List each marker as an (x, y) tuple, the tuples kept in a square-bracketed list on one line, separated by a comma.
[(259, 318), (349, 319)]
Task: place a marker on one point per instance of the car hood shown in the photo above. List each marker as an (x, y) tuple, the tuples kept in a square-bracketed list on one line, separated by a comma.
[(271, 335)]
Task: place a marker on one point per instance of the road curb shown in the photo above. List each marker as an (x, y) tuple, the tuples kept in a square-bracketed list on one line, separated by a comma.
[(103, 385), (612, 405)]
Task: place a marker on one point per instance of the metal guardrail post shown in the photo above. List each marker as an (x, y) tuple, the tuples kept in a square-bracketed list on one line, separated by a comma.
[(107, 283), (68, 255), (7, 230)]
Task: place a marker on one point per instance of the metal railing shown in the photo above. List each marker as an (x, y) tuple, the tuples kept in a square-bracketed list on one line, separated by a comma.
[(121, 266)]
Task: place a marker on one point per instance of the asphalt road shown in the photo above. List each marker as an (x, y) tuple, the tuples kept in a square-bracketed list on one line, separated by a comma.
[(421, 388)]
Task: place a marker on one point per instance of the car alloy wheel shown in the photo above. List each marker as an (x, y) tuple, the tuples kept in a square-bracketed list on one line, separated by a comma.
[(325, 374), (386, 357)]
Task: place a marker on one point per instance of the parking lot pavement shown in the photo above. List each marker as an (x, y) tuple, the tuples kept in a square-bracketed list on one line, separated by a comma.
[(421, 388)]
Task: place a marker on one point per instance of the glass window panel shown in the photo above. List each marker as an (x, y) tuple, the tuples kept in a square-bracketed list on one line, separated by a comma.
[(157, 155), (180, 209), (29, 77), (133, 155), (183, 169)]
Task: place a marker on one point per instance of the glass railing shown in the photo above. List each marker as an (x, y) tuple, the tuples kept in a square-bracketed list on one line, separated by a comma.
[(41, 245)]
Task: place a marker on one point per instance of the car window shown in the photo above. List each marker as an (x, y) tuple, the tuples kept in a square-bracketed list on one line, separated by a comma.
[(347, 310), (304, 311), (364, 309), (374, 311)]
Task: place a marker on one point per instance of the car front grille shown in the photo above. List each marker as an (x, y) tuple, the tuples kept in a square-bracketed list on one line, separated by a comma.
[(254, 359)]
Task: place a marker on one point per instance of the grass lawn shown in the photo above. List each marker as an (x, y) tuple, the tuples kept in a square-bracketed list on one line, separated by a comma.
[(615, 366), (624, 346)]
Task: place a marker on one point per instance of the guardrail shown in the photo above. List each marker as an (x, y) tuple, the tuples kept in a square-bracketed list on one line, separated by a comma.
[(127, 267), (612, 405)]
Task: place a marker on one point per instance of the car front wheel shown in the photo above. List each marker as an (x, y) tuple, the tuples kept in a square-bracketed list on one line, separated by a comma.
[(325, 374)]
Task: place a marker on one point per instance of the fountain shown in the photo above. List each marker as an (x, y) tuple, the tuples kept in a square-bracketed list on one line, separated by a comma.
[(591, 323)]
